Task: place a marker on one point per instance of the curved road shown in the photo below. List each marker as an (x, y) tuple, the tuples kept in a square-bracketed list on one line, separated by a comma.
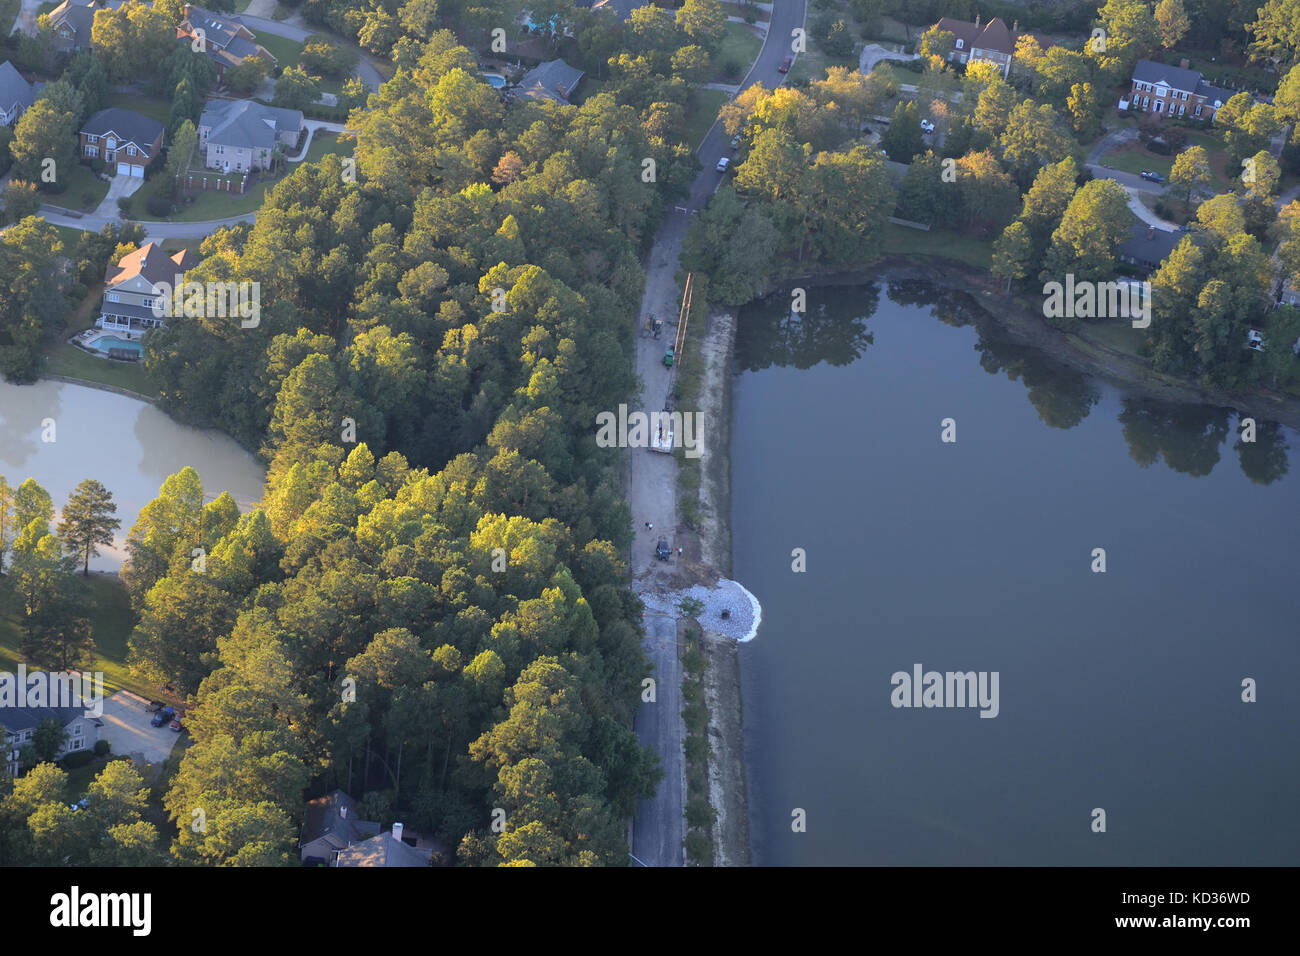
[(658, 829)]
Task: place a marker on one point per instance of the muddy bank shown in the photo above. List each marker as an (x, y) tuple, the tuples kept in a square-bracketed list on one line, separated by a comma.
[(1076, 349), (710, 550)]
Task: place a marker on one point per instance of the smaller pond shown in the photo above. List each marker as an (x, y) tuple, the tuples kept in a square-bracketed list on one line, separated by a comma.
[(60, 434)]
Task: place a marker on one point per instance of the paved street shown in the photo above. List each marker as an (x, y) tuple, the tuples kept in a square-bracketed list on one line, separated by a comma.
[(657, 831)]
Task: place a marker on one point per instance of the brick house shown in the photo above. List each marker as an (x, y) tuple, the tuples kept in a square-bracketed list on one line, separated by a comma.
[(991, 42), (226, 40), (124, 139), (1173, 91)]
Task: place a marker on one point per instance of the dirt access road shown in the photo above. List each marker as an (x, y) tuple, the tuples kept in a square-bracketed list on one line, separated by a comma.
[(658, 827)]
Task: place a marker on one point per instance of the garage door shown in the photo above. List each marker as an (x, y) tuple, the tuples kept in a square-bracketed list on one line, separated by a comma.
[(127, 169)]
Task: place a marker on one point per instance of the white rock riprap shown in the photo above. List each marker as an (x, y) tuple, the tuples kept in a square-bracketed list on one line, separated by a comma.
[(743, 612)]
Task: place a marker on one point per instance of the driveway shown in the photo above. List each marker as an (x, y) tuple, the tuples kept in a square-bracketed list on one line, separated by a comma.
[(874, 53), (126, 728), (658, 827), (26, 19), (119, 187)]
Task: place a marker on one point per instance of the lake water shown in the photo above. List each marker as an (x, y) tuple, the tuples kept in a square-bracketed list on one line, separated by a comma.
[(1118, 690), (128, 445)]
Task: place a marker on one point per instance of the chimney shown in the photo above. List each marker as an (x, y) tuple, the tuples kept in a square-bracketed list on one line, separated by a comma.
[(1015, 26), (1184, 63), (397, 832), (343, 812), (1151, 232), (977, 21)]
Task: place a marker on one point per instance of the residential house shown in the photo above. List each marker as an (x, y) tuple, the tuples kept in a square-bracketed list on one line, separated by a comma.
[(1173, 91), (131, 288), (241, 135), (332, 826), (552, 80), (70, 22), (18, 727), (126, 140), (16, 94), (992, 42), (1147, 247), (226, 40), (386, 849)]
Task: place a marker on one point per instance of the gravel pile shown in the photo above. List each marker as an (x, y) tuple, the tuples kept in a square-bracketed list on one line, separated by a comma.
[(742, 610)]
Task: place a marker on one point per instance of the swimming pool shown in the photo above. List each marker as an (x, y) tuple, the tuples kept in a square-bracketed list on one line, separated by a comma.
[(106, 342), (496, 79)]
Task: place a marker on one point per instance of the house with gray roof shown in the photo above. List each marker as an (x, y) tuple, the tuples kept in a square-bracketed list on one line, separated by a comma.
[(386, 849), (70, 23), (1174, 91), (226, 40), (16, 94), (1147, 247), (242, 135), (126, 140), (18, 729), (332, 825), (552, 80)]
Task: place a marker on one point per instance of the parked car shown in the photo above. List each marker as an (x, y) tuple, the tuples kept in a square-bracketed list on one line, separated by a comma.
[(723, 163), (1152, 176), (785, 65), (162, 717), (927, 126), (662, 551), (175, 726), (735, 142), (155, 706)]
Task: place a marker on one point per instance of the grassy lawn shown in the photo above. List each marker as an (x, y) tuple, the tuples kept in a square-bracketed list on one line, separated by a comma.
[(701, 112), (1133, 157), (222, 205), (739, 47), (938, 243), (812, 65), (322, 143), (84, 190), (1118, 335), (45, 8), (8, 14), (64, 359), (283, 49), (111, 623), (150, 106), (69, 236)]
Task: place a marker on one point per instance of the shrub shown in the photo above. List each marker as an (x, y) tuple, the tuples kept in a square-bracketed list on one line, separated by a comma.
[(96, 165), (696, 717), (78, 758), (158, 205), (322, 55), (698, 848), (102, 748), (124, 206), (700, 813), (697, 749)]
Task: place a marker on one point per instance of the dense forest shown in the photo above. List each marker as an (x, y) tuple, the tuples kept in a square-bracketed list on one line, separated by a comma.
[(429, 607)]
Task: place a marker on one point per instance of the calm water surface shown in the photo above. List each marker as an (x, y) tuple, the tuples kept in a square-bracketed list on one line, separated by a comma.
[(128, 445), (1119, 691)]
